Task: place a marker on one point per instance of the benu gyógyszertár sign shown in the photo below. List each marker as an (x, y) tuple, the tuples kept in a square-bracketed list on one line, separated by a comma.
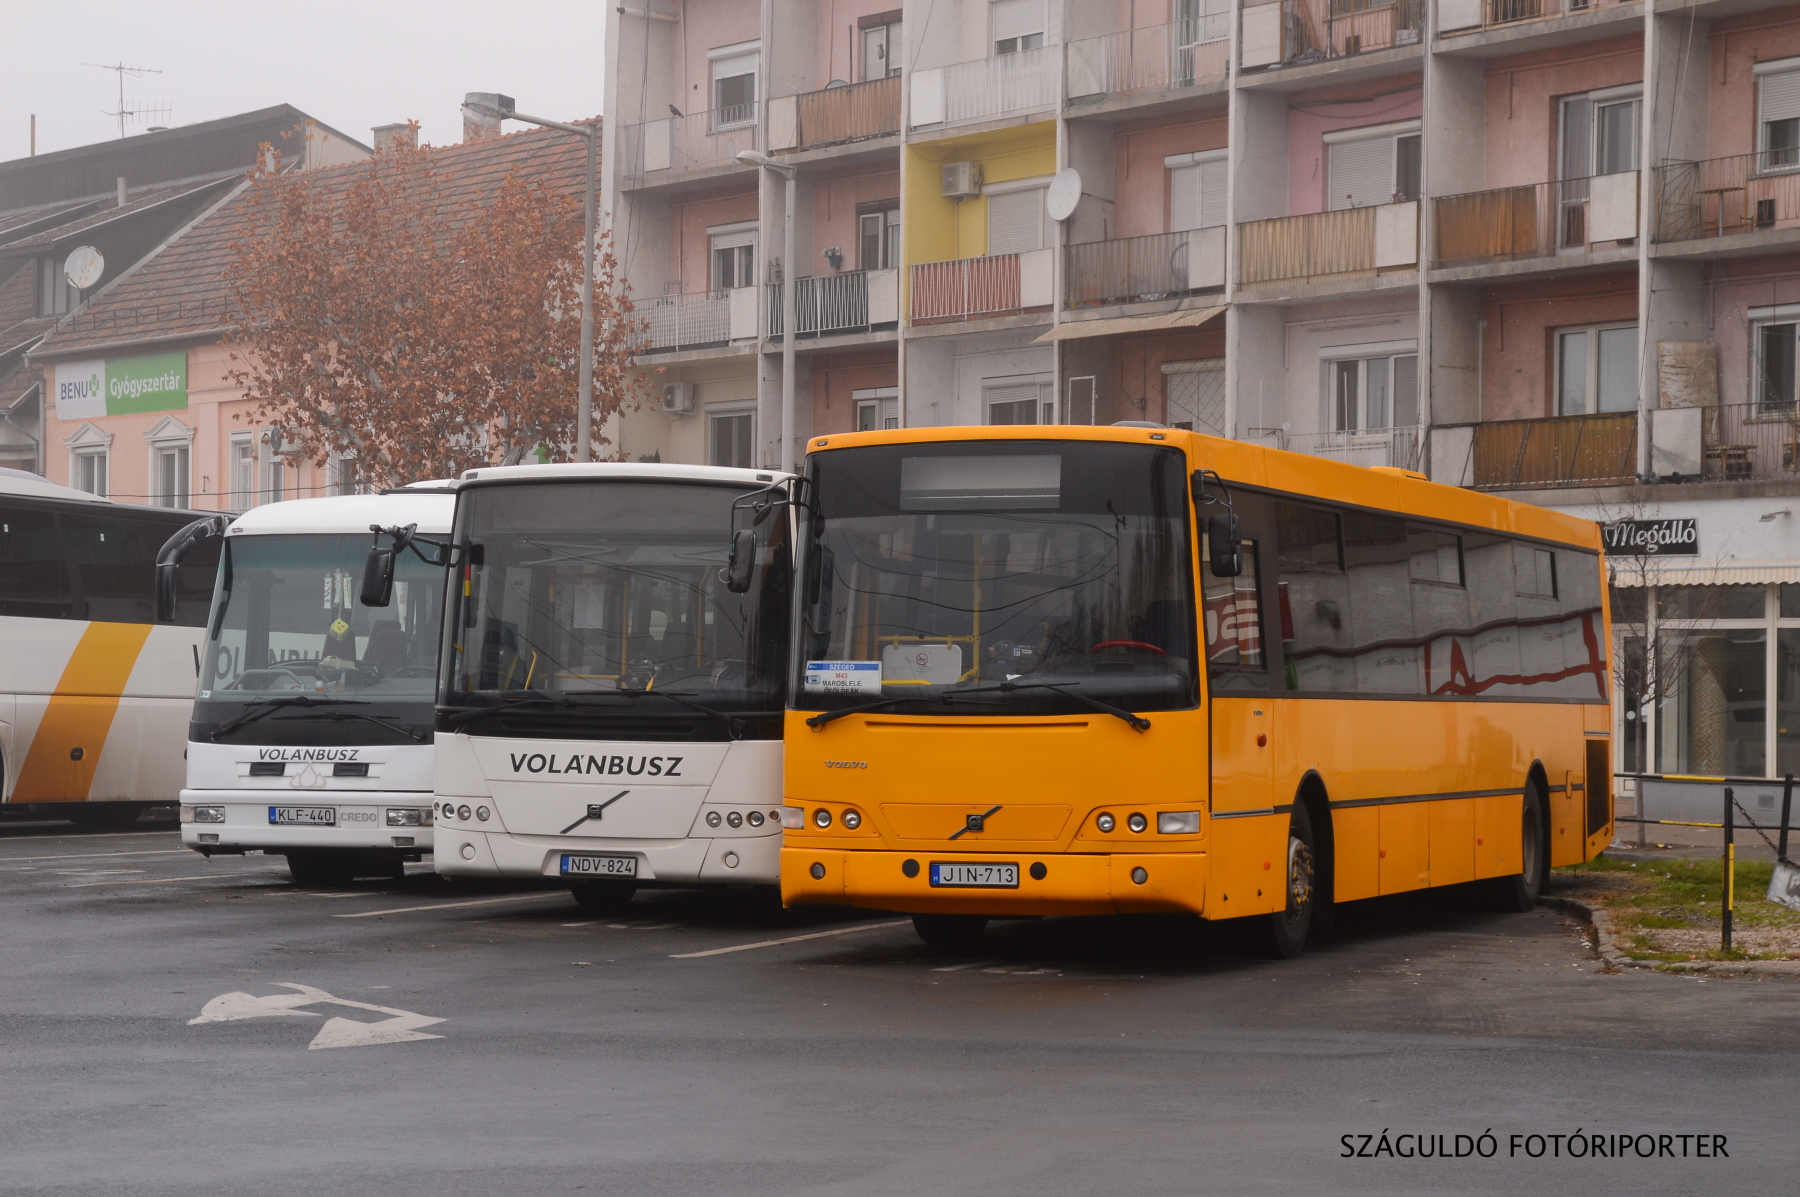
[(1653, 538), (121, 386)]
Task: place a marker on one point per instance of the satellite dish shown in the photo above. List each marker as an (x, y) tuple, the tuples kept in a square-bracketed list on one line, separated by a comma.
[(1064, 194), (83, 266)]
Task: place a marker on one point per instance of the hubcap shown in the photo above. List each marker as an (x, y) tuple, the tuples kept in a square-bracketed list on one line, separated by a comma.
[(1299, 876)]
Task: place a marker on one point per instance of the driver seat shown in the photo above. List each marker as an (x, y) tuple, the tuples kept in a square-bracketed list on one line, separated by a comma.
[(388, 648)]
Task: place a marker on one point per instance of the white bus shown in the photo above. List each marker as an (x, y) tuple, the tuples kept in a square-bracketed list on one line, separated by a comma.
[(312, 729), (610, 708), (94, 691)]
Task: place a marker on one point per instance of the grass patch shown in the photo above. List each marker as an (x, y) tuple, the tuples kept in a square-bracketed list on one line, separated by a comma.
[(1683, 895)]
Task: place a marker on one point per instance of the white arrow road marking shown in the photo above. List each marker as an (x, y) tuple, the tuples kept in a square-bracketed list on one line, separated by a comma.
[(401, 1026)]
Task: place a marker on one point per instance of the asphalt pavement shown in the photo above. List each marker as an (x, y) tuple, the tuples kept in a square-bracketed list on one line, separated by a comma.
[(170, 1024)]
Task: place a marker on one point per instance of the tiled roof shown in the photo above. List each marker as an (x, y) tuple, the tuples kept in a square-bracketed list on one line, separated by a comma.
[(85, 217), (180, 290), (18, 299)]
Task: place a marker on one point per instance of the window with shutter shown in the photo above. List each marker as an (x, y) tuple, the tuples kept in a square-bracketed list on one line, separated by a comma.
[(1184, 197), (1017, 25), (1020, 402), (1361, 172), (1406, 390), (734, 89), (877, 408), (1016, 221), (1778, 96), (1196, 190), (1212, 192), (881, 51)]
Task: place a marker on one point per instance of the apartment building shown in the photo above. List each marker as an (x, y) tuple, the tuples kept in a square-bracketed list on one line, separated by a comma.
[(1546, 247)]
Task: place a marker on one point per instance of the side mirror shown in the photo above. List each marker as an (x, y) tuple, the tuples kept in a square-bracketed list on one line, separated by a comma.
[(1224, 542), (168, 590), (742, 563), (378, 578), (173, 553)]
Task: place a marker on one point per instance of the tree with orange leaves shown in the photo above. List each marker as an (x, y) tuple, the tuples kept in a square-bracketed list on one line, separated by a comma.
[(403, 327)]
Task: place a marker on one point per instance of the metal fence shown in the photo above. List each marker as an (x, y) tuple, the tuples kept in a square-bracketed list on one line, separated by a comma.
[(1555, 451), (1741, 193), (1179, 54), (985, 87), (1306, 247), (965, 287), (688, 321), (830, 303), (690, 141), (1748, 440), (1126, 269), (853, 113), (1313, 30)]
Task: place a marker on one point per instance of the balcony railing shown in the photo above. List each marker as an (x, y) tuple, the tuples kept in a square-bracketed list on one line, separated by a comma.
[(1347, 243), (1132, 269), (831, 303), (1556, 451), (1747, 440), (1307, 31), (1397, 447), (1460, 16), (1179, 54), (965, 287), (837, 115), (692, 141), (1720, 196), (986, 87), (1534, 220), (697, 321)]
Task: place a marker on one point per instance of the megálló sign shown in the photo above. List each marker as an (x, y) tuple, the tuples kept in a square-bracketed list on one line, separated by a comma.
[(1653, 538)]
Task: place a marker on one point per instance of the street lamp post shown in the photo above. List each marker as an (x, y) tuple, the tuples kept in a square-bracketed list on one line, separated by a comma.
[(495, 106), (788, 281)]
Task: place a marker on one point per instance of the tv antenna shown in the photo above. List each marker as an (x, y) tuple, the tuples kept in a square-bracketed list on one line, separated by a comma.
[(121, 70)]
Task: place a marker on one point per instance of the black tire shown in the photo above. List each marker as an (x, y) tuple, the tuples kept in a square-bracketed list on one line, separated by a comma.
[(604, 897), (322, 870), (1519, 893), (951, 932), (105, 816), (1281, 935)]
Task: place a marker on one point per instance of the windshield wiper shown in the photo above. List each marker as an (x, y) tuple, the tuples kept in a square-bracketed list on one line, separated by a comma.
[(258, 707), (1138, 722), (733, 723), (405, 731), (468, 713)]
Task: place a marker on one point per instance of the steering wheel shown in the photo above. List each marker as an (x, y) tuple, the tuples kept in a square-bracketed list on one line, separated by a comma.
[(1138, 644)]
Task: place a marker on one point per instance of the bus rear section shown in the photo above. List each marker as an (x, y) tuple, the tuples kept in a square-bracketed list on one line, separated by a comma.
[(94, 690), (311, 735), (610, 709), (1088, 671)]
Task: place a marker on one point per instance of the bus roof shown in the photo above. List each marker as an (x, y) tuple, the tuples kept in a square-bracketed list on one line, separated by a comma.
[(32, 486), (432, 510), (1247, 464), (617, 471)]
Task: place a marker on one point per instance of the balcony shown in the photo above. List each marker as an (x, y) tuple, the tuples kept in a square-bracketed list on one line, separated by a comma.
[(964, 288), (1298, 32), (1744, 441), (838, 303), (1179, 54), (698, 321), (1135, 269), (836, 115), (1535, 220), (986, 88), (1718, 197), (1470, 16), (658, 149), (1329, 246), (1395, 447), (1556, 451)]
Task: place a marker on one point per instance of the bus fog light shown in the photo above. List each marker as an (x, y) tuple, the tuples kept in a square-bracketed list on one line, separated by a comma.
[(821, 818), (734, 819), (403, 841), (817, 871), (1106, 822), (463, 812), (1178, 822), (713, 818), (210, 839), (852, 820), (756, 818), (793, 818), (481, 812), (1137, 822), (187, 814), (209, 814), (1139, 875), (404, 817)]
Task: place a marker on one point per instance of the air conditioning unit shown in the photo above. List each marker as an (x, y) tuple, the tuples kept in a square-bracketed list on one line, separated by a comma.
[(960, 180), (278, 446), (677, 399)]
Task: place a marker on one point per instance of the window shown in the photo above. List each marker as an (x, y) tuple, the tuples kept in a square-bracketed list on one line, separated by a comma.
[(1196, 190), (1017, 25), (56, 294), (878, 235), (1195, 395), (882, 45), (734, 84), (1015, 220), (274, 479), (1778, 116), (89, 472), (1379, 389), (241, 495), (1233, 618), (734, 439), (877, 408), (733, 255), (1374, 165), (1596, 369), (170, 479), (1022, 400), (1600, 132)]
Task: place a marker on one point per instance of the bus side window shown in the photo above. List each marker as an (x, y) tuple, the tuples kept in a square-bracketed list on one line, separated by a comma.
[(1314, 598), (34, 568), (1233, 615)]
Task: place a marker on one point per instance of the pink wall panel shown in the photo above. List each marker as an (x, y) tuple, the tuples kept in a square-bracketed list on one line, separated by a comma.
[(835, 377), (706, 25), (1314, 114), (1523, 94), (1141, 183), (1738, 44), (1516, 354), (691, 219), (834, 216), (1739, 284)]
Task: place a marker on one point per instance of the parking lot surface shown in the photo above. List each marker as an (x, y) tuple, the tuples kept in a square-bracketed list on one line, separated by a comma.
[(171, 1024)]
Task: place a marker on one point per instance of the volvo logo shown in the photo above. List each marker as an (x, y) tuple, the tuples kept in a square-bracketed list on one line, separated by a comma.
[(974, 822)]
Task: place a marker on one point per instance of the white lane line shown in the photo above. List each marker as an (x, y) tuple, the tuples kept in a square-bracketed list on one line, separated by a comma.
[(167, 880), (92, 855), (369, 914), (770, 943)]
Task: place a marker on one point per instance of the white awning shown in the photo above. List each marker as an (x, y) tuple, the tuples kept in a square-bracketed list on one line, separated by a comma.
[(1680, 571), (1186, 318)]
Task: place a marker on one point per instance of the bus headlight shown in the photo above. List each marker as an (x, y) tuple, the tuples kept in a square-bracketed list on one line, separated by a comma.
[(713, 818), (1106, 822), (209, 814), (401, 816), (793, 818), (1178, 822), (1136, 822), (852, 820), (821, 818), (756, 818)]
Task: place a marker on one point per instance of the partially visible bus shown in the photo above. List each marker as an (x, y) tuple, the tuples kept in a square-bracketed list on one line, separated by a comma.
[(94, 692), (312, 729), (610, 708), (1087, 670)]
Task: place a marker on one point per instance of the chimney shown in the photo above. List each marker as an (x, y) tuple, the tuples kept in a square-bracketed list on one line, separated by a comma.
[(479, 126), (401, 136)]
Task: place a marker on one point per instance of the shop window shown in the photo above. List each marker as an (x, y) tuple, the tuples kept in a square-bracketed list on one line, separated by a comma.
[(1017, 25), (1596, 369), (1374, 165), (1713, 719)]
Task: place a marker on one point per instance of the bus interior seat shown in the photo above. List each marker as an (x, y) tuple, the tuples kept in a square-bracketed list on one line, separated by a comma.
[(388, 648)]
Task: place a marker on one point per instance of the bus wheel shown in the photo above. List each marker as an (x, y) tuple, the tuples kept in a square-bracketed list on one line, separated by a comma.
[(320, 870), (952, 932), (1519, 893), (607, 897), (1283, 933)]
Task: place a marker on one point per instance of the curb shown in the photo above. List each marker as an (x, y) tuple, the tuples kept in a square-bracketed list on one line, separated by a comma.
[(1609, 950)]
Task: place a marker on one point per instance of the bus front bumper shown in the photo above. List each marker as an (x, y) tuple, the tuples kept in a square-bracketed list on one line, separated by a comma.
[(1070, 884), (361, 823), (698, 860)]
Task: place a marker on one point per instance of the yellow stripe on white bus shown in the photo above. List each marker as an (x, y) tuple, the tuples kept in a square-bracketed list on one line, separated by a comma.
[(65, 752)]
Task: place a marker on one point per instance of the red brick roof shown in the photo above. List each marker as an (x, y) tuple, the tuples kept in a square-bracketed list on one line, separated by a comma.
[(179, 291)]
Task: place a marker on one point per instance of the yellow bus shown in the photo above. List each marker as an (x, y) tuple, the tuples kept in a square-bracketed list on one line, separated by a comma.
[(1060, 670)]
